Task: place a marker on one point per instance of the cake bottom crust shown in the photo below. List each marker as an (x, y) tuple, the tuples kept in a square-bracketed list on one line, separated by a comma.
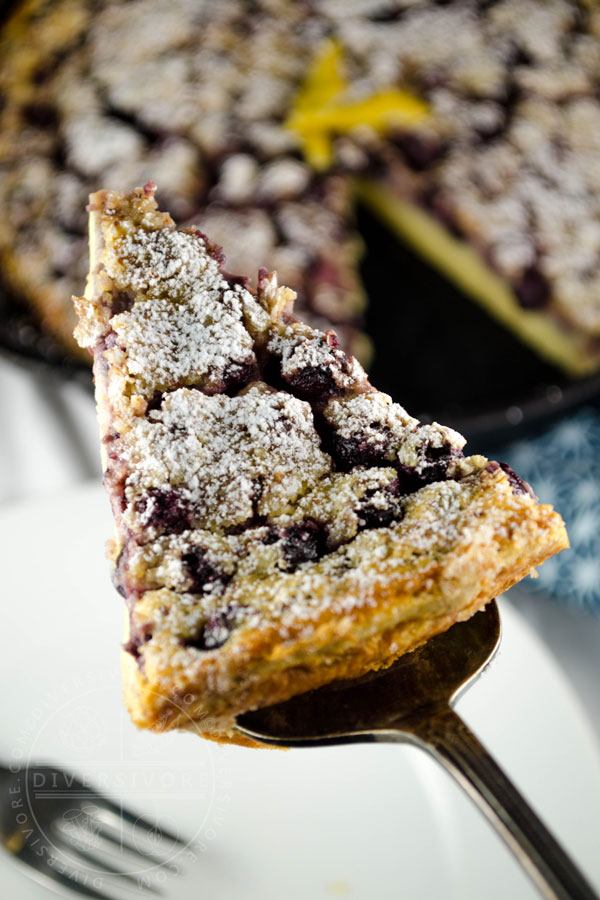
[(259, 668)]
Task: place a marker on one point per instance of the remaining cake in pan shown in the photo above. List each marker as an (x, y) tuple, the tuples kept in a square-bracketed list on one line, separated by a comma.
[(279, 522), (258, 120), (193, 94)]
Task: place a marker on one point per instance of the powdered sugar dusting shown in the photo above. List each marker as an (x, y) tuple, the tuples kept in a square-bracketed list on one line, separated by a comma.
[(373, 421), (416, 445), (169, 343), (372, 418), (336, 503), (186, 324), (168, 263), (230, 457), (308, 349)]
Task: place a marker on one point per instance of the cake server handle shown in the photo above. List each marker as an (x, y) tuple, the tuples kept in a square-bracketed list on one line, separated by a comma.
[(444, 735)]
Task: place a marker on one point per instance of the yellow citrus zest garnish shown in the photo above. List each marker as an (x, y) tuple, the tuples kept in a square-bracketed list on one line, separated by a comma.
[(324, 79), (322, 108)]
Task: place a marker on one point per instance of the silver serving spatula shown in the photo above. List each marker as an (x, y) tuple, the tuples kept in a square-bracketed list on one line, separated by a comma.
[(412, 702)]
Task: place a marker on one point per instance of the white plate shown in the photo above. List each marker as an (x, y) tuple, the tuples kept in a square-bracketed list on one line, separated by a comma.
[(359, 822)]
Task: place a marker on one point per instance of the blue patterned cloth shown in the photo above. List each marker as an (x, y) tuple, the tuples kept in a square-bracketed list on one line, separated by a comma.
[(563, 467)]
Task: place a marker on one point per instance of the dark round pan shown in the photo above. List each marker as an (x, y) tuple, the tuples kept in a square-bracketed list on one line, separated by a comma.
[(23, 340), (436, 352)]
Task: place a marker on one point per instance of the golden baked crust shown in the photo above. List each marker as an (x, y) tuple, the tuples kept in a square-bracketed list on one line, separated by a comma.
[(279, 522), (417, 605)]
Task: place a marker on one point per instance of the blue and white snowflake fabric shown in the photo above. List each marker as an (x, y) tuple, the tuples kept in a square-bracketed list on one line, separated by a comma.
[(563, 467)]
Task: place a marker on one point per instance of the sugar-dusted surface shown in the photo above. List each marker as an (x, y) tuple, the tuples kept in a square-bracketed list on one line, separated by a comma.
[(255, 585), (313, 363), (232, 458), (369, 429), (373, 415), (167, 263), (330, 514), (186, 322), (338, 583), (271, 536)]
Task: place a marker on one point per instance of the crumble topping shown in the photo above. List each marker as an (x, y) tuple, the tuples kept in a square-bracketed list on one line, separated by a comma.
[(187, 325), (224, 495), (241, 505), (332, 513), (369, 429), (259, 590), (371, 417), (183, 342), (230, 458), (313, 363), (167, 263)]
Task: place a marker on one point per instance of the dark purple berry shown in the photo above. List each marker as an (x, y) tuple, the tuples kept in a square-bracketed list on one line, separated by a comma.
[(409, 480), (533, 291), (238, 375), (206, 577), (516, 482), (273, 535), (319, 383), (433, 468), (351, 452), (316, 383), (164, 509), (305, 542), (435, 454), (214, 632), (372, 515)]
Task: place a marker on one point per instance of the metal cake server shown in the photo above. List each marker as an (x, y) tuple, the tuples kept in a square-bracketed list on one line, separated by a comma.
[(411, 702)]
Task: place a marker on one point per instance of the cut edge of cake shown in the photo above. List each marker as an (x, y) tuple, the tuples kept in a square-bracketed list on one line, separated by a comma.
[(576, 353)]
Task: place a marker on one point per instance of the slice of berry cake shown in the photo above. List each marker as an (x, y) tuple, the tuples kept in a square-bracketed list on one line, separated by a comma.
[(279, 522)]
